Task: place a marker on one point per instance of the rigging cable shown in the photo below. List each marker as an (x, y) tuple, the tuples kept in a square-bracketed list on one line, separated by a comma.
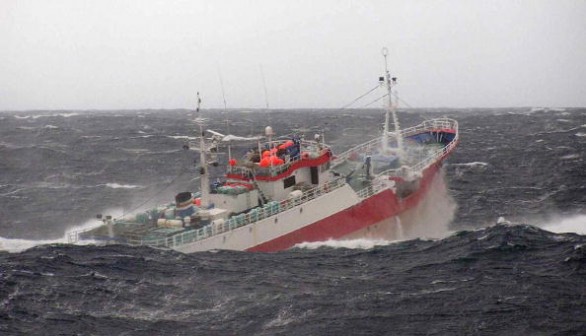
[(222, 86), (362, 96), (374, 101), (181, 173), (402, 101), (396, 96)]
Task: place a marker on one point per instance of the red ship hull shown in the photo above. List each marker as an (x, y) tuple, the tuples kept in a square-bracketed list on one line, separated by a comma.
[(374, 217)]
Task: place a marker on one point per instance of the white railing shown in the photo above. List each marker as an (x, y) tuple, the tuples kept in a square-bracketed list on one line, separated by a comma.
[(373, 189), (432, 124), (268, 210), (432, 156), (363, 148), (427, 125)]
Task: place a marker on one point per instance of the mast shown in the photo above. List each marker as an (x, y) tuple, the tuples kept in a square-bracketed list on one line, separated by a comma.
[(391, 109), (203, 170), (229, 143)]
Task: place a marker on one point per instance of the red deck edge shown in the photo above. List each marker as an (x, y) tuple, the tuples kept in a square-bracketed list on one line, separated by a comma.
[(297, 165)]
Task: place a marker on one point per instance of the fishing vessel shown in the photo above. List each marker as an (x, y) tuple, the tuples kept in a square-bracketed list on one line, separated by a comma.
[(288, 190)]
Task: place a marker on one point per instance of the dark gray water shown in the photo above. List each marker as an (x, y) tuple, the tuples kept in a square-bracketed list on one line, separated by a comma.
[(58, 169)]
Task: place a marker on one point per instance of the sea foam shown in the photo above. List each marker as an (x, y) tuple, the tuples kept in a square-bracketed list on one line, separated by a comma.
[(362, 244)]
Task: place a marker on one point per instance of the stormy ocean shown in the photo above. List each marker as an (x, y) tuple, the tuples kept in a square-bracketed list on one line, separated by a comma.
[(524, 168)]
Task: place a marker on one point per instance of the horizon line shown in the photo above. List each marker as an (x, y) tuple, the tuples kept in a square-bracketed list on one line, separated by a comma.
[(261, 109)]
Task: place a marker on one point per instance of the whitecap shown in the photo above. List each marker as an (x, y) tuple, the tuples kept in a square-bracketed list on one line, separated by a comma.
[(121, 186), (570, 157), (433, 291), (15, 245), (64, 115), (363, 244), (537, 109), (471, 164), (18, 245), (580, 134), (576, 224), (68, 115), (50, 185), (181, 137)]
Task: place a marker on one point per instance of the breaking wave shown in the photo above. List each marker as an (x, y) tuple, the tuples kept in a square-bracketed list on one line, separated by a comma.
[(37, 116), (14, 245), (576, 224), (121, 186), (18, 245), (471, 164), (363, 244)]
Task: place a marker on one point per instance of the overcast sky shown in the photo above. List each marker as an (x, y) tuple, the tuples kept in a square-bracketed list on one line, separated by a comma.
[(102, 54)]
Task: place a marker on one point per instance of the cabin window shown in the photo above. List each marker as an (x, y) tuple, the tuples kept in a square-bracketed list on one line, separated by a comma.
[(289, 182), (314, 175)]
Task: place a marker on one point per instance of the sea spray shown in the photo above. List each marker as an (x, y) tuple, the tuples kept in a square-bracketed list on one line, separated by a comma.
[(575, 224), (432, 217), (69, 237)]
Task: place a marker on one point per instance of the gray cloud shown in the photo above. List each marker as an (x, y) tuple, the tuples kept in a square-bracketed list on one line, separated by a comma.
[(79, 54)]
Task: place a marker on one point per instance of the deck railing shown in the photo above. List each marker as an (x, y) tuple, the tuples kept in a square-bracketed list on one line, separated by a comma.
[(268, 210), (372, 189), (432, 124), (427, 125), (432, 156)]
